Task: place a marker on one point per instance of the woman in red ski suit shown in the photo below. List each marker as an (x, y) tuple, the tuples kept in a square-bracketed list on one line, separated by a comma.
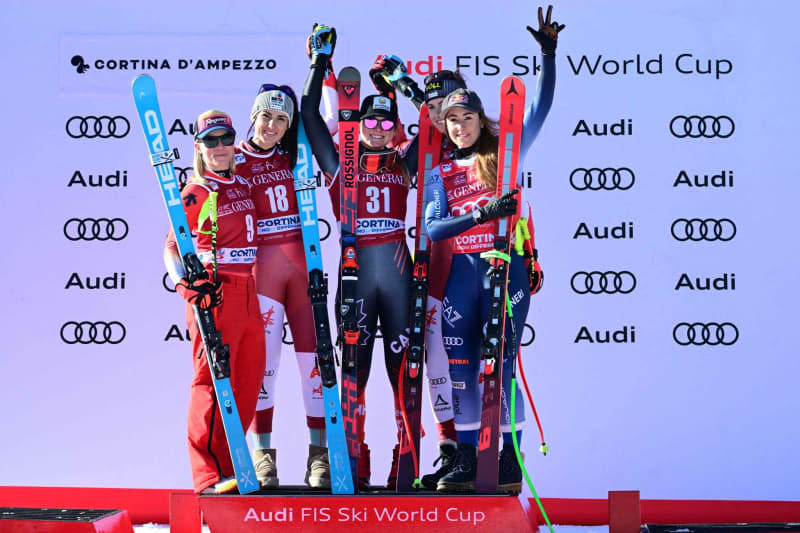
[(232, 296)]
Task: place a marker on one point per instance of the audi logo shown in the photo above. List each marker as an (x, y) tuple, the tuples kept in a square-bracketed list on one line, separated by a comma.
[(609, 282), (708, 126), (327, 229), (453, 341), (709, 333), (412, 232), (103, 127), (166, 281), (533, 335), (606, 179), (706, 229), (95, 229), (86, 332)]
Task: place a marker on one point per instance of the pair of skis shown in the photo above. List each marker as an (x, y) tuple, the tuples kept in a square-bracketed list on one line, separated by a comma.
[(146, 99)]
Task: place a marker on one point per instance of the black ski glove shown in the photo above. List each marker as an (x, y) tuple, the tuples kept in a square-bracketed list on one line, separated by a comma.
[(321, 43), (547, 35), (503, 206)]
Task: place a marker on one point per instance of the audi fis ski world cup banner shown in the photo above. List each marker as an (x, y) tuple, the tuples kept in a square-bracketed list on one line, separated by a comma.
[(660, 351)]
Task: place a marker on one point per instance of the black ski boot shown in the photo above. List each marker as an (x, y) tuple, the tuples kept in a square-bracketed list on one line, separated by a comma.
[(447, 456), (462, 477), (509, 475)]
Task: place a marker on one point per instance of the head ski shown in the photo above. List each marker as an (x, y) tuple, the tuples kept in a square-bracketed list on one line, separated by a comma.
[(161, 157), (305, 188)]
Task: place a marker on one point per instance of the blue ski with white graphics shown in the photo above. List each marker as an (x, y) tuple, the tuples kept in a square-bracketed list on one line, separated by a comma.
[(305, 185), (161, 157)]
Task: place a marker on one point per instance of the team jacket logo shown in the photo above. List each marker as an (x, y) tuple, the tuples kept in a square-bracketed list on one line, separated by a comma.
[(103, 127), (450, 314), (607, 179), (95, 229), (86, 332), (708, 126), (608, 282), (266, 318), (709, 333), (707, 229)]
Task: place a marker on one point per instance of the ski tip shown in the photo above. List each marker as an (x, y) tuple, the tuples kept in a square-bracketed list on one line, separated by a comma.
[(513, 82), (349, 74)]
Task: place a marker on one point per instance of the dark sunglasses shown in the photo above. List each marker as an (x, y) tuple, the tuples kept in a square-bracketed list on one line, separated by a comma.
[(440, 76), (212, 142), (372, 123), (272, 87)]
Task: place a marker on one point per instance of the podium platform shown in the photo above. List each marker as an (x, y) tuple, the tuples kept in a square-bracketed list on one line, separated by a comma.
[(303, 510)]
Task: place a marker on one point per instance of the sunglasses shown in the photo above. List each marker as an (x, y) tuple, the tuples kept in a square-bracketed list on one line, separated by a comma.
[(272, 87), (372, 123), (440, 76), (212, 142)]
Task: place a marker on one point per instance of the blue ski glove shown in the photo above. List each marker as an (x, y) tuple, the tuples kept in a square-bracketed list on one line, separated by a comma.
[(321, 43), (547, 35), (389, 73)]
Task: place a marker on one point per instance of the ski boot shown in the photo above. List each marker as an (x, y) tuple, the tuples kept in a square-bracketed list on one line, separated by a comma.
[(462, 477), (266, 467), (509, 475), (447, 456), (318, 470)]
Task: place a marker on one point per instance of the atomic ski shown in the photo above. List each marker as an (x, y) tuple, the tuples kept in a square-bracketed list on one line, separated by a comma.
[(430, 147), (305, 185), (512, 104), (348, 85), (218, 354)]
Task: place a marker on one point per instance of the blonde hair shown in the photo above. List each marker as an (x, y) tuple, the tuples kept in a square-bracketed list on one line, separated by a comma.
[(199, 163)]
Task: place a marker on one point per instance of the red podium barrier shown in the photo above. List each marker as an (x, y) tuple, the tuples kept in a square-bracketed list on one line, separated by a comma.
[(355, 514), (38, 520)]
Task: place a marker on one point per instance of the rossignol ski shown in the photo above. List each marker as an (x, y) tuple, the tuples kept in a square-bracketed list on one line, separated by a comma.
[(305, 185), (348, 85), (512, 106), (430, 145), (218, 354)]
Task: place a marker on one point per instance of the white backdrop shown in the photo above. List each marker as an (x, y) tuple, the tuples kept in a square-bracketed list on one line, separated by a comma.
[(673, 421)]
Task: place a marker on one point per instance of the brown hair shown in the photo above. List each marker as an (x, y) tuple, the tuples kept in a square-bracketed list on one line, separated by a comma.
[(486, 150)]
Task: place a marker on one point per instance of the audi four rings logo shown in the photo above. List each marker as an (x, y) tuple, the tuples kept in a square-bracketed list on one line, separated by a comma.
[(705, 229), (95, 229), (708, 126), (86, 332), (103, 127), (452, 341), (533, 335), (606, 179), (609, 282), (709, 333)]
